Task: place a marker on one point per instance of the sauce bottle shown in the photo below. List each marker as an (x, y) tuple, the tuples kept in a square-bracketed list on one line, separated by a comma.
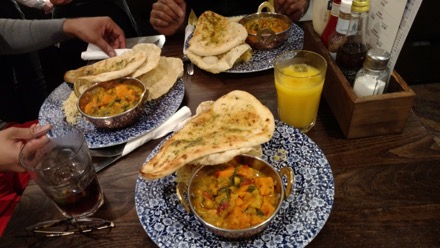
[(342, 28), (320, 15), (351, 54), (332, 21)]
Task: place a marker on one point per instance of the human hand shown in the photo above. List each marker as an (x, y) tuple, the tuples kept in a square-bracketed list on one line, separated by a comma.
[(294, 9), (11, 140), (167, 16), (48, 7), (101, 31), (60, 2)]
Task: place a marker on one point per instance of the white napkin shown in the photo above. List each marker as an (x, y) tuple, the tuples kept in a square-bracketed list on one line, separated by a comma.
[(174, 123), (95, 53)]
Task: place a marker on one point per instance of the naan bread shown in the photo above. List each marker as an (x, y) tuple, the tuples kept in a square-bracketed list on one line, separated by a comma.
[(236, 120), (215, 34), (122, 65), (160, 80), (222, 157), (223, 62), (153, 56)]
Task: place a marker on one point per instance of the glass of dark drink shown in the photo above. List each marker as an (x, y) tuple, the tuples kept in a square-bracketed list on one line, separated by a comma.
[(59, 162)]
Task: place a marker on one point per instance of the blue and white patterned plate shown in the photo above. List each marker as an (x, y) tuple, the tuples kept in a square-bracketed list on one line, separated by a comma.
[(301, 217), (156, 113), (263, 59)]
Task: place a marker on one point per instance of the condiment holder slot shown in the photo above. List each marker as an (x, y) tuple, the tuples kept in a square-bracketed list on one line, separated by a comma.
[(361, 116)]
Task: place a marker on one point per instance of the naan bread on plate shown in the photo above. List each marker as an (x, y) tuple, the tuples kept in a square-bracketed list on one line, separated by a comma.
[(222, 157), (234, 121), (140, 59), (215, 34), (223, 62), (159, 80), (107, 69), (153, 56)]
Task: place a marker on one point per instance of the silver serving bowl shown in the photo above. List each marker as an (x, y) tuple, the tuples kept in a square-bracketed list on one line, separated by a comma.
[(120, 120), (187, 195), (266, 38)]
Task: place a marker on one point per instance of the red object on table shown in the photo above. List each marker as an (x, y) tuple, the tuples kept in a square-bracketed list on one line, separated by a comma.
[(332, 21), (12, 186)]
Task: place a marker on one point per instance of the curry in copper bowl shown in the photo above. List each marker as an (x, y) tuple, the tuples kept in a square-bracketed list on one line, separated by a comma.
[(113, 104), (237, 199), (266, 30)]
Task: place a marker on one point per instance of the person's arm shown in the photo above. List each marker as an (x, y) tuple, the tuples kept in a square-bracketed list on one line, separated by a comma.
[(21, 36)]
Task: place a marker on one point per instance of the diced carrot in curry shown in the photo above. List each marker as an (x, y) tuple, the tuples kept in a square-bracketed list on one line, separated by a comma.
[(239, 202), (265, 185), (247, 172), (113, 101), (228, 172)]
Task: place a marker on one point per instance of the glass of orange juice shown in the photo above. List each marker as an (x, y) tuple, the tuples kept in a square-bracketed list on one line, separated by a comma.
[(299, 78)]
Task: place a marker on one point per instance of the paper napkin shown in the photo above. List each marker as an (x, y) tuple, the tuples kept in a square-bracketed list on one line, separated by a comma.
[(174, 123), (95, 53)]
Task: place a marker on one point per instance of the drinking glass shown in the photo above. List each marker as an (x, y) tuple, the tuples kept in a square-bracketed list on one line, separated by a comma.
[(59, 162), (299, 79)]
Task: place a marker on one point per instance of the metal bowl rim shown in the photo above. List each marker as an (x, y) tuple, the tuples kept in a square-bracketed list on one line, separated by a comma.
[(240, 231), (140, 101), (253, 16)]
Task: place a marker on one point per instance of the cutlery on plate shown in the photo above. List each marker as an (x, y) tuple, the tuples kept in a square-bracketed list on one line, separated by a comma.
[(103, 157), (188, 64), (192, 20)]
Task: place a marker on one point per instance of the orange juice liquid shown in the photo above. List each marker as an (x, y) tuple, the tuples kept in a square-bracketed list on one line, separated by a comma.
[(299, 90)]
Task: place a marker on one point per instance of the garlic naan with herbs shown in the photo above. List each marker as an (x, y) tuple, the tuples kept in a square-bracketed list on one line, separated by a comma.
[(218, 43), (215, 34), (234, 121)]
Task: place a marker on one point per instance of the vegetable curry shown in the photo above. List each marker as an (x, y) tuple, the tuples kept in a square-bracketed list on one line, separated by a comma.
[(235, 197), (112, 101), (257, 24)]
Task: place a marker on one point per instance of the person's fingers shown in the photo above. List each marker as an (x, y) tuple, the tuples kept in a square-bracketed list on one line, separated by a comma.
[(286, 5), (106, 47), (37, 130), (17, 133), (173, 8)]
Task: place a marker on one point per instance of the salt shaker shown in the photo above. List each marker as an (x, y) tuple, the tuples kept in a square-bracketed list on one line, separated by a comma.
[(372, 79)]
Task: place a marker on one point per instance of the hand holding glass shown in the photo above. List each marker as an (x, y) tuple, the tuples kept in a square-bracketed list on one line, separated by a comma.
[(299, 79), (60, 163)]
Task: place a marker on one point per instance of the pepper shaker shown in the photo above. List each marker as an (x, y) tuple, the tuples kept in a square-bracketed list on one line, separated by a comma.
[(372, 79)]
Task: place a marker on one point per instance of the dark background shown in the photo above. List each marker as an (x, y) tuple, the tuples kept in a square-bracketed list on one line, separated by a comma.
[(418, 62)]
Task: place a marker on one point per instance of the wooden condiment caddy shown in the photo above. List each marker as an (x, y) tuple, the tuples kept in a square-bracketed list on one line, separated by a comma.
[(361, 116)]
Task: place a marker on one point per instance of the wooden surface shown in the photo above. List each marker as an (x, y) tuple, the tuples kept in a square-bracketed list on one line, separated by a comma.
[(387, 188)]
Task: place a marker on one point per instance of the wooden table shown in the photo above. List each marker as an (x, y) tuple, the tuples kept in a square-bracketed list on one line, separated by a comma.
[(387, 188)]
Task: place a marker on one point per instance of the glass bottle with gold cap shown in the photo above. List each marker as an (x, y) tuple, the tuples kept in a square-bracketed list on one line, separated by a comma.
[(351, 54)]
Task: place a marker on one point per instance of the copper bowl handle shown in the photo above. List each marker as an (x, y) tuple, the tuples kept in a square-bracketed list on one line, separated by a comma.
[(182, 190), (288, 173), (267, 5)]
